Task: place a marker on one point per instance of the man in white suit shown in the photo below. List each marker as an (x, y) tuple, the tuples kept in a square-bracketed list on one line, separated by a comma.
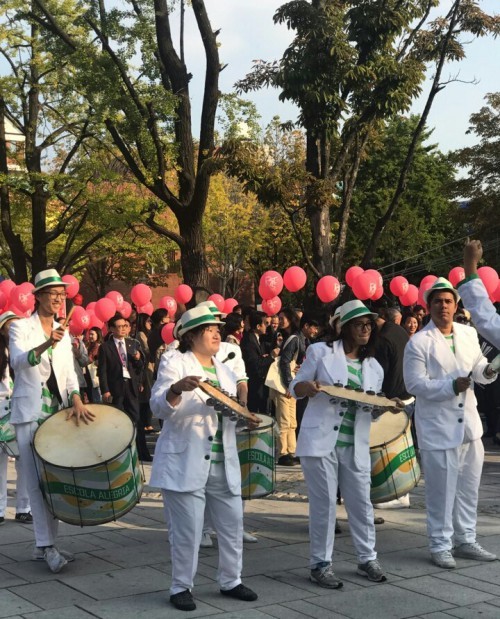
[(45, 380), (441, 363)]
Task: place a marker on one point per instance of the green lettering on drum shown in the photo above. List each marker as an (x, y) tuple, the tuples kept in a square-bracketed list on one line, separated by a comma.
[(392, 466), (256, 456), (91, 494)]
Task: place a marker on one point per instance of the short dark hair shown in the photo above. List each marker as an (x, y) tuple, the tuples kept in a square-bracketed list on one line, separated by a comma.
[(113, 319), (307, 319), (186, 340), (364, 351), (255, 319)]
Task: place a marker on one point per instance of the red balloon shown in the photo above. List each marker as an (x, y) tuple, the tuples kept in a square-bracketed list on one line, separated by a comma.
[(7, 285), (22, 297), (218, 299), (19, 312), (294, 279), (117, 299), (229, 305), (126, 309), (271, 284), (496, 295), (428, 279), (170, 304), (3, 299), (489, 277), (364, 286), (352, 273), (271, 306), (141, 294), (105, 309), (399, 286), (74, 285), (95, 322), (80, 318), (378, 294), (457, 274), (328, 288), (74, 329), (91, 306), (183, 294), (78, 299), (411, 297), (376, 277), (147, 308), (167, 333)]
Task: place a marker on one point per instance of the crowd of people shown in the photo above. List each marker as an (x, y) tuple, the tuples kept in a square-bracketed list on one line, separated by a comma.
[(431, 362)]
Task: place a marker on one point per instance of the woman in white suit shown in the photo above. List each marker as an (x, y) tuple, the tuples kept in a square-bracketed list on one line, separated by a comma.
[(45, 381), (196, 459), (333, 444)]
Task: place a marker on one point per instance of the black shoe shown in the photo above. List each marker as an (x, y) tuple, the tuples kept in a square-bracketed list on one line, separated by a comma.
[(2, 520), (296, 459), (183, 600), (24, 518), (378, 520), (286, 460), (240, 592)]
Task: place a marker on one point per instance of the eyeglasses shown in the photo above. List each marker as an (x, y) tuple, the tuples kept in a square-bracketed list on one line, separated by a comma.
[(363, 326), (55, 295), (124, 326)]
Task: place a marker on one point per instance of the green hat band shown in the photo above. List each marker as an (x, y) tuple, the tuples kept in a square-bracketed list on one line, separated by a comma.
[(194, 322), (50, 280), (359, 311)]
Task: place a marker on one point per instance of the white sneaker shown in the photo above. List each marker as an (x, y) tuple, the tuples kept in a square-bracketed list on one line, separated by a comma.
[(39, 552), (443, 559), (54, 559), (250, 539), (206, 541), (473, 551)]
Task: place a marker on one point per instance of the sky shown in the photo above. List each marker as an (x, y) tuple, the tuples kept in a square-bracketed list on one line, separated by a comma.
[(248, 33)]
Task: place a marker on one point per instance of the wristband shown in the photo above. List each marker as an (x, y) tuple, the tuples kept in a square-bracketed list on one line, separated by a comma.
[(455, 387), (172, 390)]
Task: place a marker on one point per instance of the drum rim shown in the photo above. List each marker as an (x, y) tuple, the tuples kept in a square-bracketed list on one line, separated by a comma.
[(87, 466), (404, 431), (259, 428)]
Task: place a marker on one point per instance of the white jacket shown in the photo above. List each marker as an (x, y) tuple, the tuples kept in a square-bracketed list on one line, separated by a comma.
[(322, 418), (483, 312), (25, 335), (442, 418), (183, 451)]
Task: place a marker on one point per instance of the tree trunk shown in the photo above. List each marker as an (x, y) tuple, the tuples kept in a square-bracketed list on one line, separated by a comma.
[(193, 261)]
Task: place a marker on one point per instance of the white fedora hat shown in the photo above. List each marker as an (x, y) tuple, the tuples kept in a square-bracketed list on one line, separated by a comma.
[(49, 277), (195, 318), (6, 316), (354, 309), (441, 285)]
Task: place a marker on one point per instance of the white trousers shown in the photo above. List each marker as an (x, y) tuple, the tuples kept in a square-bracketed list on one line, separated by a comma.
[(44, 524), (185, 514), (22, 499), (452, 478), (323, 476)]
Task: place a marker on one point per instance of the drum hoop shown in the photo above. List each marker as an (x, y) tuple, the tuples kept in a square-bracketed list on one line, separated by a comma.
[(259, 429), (88, 466), (395, 438)]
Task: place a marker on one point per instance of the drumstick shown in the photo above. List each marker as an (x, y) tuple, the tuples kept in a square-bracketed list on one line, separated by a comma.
[(65, 322)]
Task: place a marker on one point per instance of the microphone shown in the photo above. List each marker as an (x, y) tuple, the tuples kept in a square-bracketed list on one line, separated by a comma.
[(230, 356)]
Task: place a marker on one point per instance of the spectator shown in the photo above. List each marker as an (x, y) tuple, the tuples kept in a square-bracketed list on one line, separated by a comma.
[(411, 324), (233, 329), (94, 341), (143, 329)]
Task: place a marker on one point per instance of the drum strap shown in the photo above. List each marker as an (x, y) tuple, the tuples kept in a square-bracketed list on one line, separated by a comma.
[(52, 385)]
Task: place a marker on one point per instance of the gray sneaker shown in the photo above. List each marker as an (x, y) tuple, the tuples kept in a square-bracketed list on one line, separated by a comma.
[(38, 554), (473, 551), (443, 559), (324, 577), (54, 559), (372, 570)]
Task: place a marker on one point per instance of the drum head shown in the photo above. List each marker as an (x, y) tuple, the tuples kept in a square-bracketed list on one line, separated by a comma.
[(63, 443), (387, 428)]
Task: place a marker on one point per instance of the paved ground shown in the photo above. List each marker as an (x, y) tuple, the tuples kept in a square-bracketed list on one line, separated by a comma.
[(122, 569)]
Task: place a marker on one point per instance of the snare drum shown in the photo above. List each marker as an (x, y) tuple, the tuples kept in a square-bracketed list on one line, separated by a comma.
[(256, 454), (89, 474), (395, 470), (8, 443)]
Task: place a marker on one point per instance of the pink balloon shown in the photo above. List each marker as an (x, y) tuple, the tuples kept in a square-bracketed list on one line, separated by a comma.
[(167, 333), (170, 304), (183, 294), (147, 308), (378, 294), (117, 299), (95, 322), (271, 283), (495, 297), (126, 309), (3, 299), (271, 306), (141, 294), (294, 279), (399, 286), (457, 274), (411, 297), (428, 279), (229, 305), (489, 277), (218, 299), (352, 273), (105, 309), (91, 306), (75, 329), (20, 312), (7, 285), (80, 318), (376, 277), (328, 288), (74, 285), (364, 286), (22, 297)]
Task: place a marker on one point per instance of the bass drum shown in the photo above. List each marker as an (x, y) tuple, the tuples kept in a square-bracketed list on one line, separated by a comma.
[(395, 470), (89, 474), (256, 454)]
